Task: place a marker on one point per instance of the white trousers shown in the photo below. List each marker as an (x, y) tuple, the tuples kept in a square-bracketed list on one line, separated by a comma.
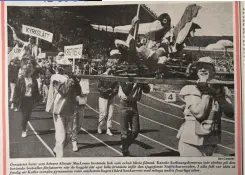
[(106, 108), (12, 87), (65, 129)]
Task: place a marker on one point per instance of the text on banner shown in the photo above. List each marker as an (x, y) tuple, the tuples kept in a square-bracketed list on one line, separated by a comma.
[(74, 51), (39, 33)]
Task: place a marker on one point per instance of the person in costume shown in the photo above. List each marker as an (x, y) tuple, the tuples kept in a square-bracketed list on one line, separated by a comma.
[(204, 104)]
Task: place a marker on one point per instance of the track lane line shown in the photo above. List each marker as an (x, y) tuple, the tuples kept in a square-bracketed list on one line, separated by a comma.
[(160, 143), (176, 116), (178, 106), (101, 141), (40, 139), (176, 129)]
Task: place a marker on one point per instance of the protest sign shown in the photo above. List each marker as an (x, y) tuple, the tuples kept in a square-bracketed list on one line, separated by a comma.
[(39, 33)]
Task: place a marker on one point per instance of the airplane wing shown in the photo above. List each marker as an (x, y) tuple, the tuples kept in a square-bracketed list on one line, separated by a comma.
[(143, 28), (185, 25)]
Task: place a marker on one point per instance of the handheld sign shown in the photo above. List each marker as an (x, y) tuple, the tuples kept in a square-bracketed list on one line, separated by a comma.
[(170, 97), (74, 52), (39, 33)]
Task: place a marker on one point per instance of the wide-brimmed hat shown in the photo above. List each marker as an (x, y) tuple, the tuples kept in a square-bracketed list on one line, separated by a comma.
[(205, 60)]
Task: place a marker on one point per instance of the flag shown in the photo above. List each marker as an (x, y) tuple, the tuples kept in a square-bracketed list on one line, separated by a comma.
[(185, 24)]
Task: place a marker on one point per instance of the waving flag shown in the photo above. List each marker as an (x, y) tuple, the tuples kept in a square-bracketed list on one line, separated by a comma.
[(185, 24)]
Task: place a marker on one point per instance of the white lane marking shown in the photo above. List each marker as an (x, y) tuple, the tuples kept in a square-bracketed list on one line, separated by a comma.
[(165, 125), (175, 129), (140, 134), (156, 122), (178, 106), (175, 116), (41, 140), (160, 100), (101, 141), (161, 111)]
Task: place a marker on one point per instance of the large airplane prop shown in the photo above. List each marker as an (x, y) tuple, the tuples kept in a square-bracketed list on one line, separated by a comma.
[(149, 60)]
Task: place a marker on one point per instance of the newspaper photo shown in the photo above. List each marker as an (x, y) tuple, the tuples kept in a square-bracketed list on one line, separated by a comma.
[(114, 88)]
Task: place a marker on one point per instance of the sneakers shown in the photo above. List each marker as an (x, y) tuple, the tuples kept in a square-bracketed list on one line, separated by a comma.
[(24, 134), (12, 106), (74, 146), (108, 132), (15, 109), (99, 130)]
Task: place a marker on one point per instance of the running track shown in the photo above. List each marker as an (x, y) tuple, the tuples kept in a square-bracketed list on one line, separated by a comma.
[(159, 123)]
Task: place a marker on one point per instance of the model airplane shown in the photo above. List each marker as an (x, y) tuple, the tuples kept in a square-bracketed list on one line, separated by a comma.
[(148, 61)]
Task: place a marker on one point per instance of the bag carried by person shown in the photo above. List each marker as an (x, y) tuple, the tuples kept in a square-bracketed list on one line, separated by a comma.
[(210, 124)]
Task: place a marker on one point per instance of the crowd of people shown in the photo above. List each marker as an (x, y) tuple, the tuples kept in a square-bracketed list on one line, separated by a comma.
[(66, 96)]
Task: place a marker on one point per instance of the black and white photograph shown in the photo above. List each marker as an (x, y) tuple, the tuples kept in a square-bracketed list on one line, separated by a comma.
[(121, 80)]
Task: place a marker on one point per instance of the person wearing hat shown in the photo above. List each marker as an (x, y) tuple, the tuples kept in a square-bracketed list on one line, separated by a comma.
[(61, 103), (158, 45), (108, 90), (204, 104)]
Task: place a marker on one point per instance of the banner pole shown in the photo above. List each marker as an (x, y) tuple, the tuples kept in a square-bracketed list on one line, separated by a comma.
[(137, 25)]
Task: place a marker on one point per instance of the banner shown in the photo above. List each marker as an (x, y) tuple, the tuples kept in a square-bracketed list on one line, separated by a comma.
[(39, 33), (74, 51)]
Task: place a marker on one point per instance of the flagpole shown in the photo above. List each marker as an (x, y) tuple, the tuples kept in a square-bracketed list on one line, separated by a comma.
[(137, 25)]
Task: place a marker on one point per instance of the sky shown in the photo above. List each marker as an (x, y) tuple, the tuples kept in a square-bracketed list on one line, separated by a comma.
[(216, 19)]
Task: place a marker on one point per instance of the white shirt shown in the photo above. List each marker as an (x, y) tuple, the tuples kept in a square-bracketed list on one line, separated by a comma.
[(28, 82)]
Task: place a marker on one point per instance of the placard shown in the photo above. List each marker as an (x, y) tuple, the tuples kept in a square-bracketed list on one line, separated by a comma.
[(39, 33), (74, 51)]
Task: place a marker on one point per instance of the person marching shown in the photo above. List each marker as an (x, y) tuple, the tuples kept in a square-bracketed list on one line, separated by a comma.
[(204, 104), (81, 101), (13, 70), (61, 103), (30, 47), (130, 94), (108, 90), (26, 94)]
